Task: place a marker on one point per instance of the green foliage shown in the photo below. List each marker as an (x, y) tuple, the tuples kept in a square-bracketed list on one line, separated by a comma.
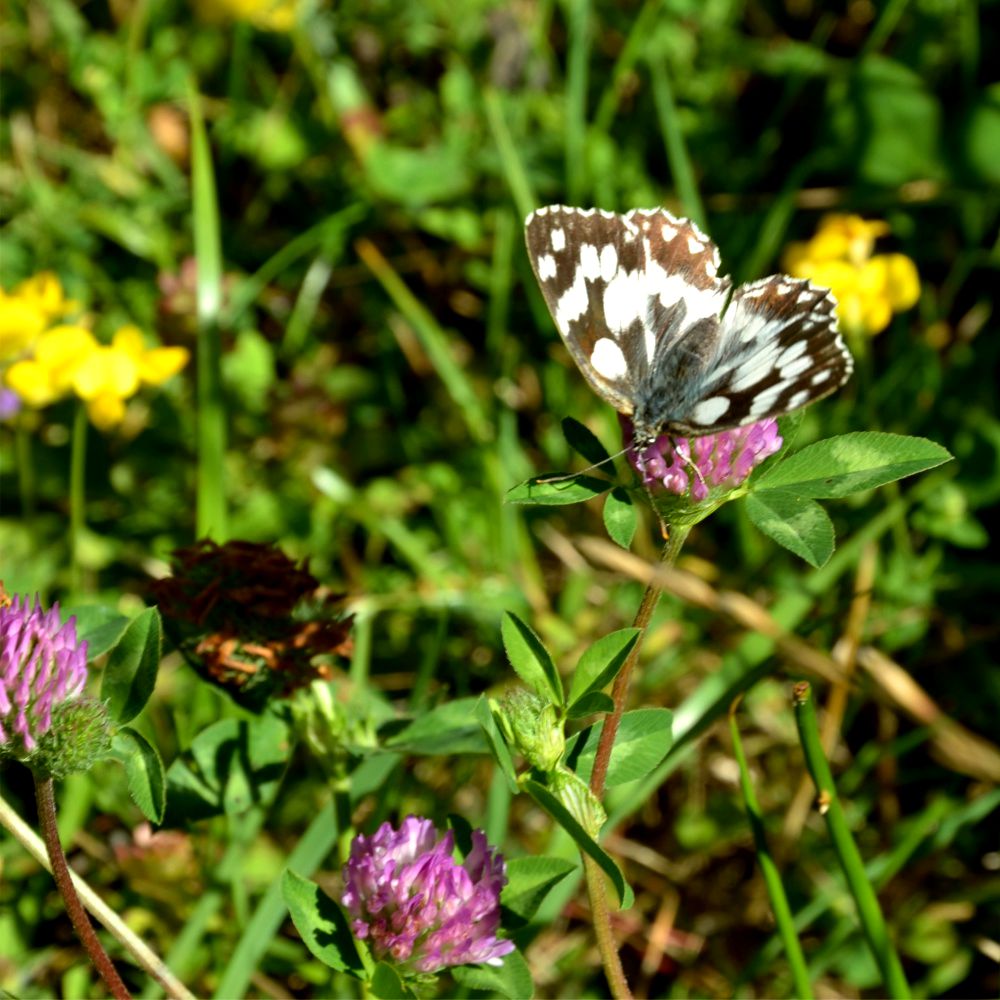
[(143, 771), (133, 662), (643, 740), (322, 924), (329, 218)]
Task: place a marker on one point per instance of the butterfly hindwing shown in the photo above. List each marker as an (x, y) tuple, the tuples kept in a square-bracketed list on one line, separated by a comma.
[(779, 349)]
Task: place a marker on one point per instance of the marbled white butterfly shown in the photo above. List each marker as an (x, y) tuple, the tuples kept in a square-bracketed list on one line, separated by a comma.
[(639, 303)]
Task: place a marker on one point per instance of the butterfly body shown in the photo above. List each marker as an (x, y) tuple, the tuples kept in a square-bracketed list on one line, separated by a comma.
[(640, 305)]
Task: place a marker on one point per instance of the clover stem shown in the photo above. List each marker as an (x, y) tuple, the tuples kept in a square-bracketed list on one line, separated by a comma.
[(45, 795), (600, 914), (619, 693)]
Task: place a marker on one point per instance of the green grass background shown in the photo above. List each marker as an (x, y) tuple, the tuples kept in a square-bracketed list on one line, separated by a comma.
[(390, 370)]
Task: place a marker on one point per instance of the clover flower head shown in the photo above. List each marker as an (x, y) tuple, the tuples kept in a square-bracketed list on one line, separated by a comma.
[(696, 466), (419, 908), (42, 666)]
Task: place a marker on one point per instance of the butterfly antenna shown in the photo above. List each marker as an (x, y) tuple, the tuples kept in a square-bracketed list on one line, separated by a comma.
[(687, 461), (590, 468)]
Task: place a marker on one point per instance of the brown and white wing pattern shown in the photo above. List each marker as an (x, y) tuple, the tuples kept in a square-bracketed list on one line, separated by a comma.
[(639, 302)]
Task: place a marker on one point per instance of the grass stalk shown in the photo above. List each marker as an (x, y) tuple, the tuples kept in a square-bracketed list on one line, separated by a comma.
[(870, 915), (673, 140), (578, 24), (432, 338), (510, 159), (77, 495), (772, 878), (211, 418)]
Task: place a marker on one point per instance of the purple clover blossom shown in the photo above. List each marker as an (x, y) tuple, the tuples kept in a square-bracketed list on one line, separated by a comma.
[(41, 665), (417, 906), (723, 460)]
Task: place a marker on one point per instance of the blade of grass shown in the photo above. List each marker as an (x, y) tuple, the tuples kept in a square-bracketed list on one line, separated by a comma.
[(772, 878), (510, 160), (673, 140), (311, 849), (184, 951), (767, 238), (211, 419), (870, 915), (311, 290), (884, 26), (332, 228), (879, 870), (432, 338), (578, 56), (77, 496), (630, 54)]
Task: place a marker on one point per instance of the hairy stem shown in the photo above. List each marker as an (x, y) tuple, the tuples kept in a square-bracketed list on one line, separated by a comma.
[(45, 794), (600, 914), (619, 693)]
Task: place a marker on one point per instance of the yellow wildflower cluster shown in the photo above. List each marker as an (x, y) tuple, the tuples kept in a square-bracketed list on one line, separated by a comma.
[(869, 287), (53, 359)]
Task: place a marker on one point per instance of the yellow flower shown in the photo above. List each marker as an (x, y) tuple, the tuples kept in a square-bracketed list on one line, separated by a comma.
[(21, 323), (268, 15), (111, 375), (155, 365), (868, 288), (28, 310), (48, 376), (45, 292), (69, 359)]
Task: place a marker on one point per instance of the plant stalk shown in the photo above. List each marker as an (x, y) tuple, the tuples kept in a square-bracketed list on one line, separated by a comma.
[(783, 918), (870, 915), (600, 914), (77, 495), (45, 795), (619, 693)]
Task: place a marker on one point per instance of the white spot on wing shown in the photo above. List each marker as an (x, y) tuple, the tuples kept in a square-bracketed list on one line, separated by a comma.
[(609, 262), (624, 300), (573, 302), (820, 377), (799, 399), (764, 403), (608, 359), (751, 372), (708, 411), (789, 354), (669, 232), (794, 368), (546, 267), (558, 240), (590, 264), (694, 246)]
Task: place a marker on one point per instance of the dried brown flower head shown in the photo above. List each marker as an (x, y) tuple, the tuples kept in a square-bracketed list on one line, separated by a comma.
[(250, 620)]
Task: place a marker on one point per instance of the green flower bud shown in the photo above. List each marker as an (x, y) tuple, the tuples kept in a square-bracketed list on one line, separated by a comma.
[(80, 735), (532, 727)]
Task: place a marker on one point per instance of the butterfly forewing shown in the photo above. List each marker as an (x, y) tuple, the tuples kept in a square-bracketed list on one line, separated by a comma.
[(638, 299)]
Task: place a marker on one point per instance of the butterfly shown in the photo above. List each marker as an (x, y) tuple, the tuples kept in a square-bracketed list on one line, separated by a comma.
[(640, 305)]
